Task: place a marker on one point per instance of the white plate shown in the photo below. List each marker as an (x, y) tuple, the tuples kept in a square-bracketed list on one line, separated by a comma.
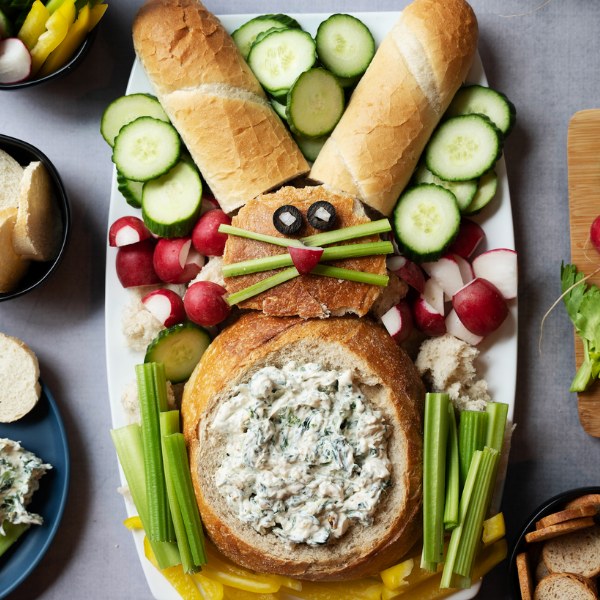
[(498, 350)]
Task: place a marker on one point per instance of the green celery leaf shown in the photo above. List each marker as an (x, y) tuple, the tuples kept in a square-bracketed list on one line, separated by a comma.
[(588, 317), (568, 276)]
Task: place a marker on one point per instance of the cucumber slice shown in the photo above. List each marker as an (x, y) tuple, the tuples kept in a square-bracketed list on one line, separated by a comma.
[(5, 26), (464, 148), (130, 190), (310, 146), (426, 221), (180, 349), (279, 108), (486, 190), (464, 191), (345, 45), (171, 204), (349, 82), (146, 149), (484, 101), (315, 103), (280, 57), (246, 35), (127, 109)]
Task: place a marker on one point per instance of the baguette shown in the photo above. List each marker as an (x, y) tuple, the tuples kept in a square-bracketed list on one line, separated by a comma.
[(214, 101), (412, 79)]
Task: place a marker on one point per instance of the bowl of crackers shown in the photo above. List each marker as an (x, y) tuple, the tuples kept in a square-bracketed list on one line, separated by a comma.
[(35, 218), (557, 554)]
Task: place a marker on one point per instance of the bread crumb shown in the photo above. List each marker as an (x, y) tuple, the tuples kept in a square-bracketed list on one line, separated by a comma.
[(211, 271), (126, 493), (395, 291), (131, 401)]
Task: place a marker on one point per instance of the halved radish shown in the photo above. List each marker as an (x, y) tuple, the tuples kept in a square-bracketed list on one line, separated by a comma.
[(208, 203), (398, 321), (446, 274), (205, 235), (466, 270), (205, 303), (434, 295), (407, 270), (480, 306), (427, 319), (595, 234), (135, 265), (457, 329), (305, 259), (501, 268), (15, 61), (469, 237), (127, 230), (176, 261), (193, 265), (166, 306)]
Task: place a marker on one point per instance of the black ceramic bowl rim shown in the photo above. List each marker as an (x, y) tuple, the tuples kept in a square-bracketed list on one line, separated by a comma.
[(70, 66), (64, 205), (545, 509)]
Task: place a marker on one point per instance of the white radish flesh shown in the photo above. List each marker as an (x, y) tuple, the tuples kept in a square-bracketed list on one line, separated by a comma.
[(127, 230), (434, 295), (407, 270), (166, 306), (480, 307), (446, 274), (15, 61), (501, 268), (398, 321), (457, 329), (466, 270)]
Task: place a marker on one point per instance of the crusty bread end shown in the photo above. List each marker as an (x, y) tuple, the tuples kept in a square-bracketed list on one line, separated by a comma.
[(11, 173), (12, 268)]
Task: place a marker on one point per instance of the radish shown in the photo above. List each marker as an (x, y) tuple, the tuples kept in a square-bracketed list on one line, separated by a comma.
[(466, 270), (480, 306), (500, 267), (427, 319), (166, 306), (434, 296), (15, 61), (595, 234), (127, 230), (305, 259), (398, 321), (135, 264), (446, 274), (176, 261), (469, 236), (457, 329), (205, 303), (205, 235), (407, 270), (208, 203)]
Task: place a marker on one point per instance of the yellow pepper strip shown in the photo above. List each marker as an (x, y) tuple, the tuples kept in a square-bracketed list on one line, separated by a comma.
[(494, 529), (57, 27), (236, 594), (66, 49), (133, 523), (213, 590), (388, 594), (240, 579), (362, 589), (96, 14), (54, 5), (184, 584), (293, 584), (394, 577), (68, 11), (34, 25)]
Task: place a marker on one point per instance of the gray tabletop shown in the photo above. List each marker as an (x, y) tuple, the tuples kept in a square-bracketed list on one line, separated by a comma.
[(548, 63)]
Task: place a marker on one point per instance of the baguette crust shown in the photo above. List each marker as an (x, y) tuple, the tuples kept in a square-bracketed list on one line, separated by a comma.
[(249, 344)]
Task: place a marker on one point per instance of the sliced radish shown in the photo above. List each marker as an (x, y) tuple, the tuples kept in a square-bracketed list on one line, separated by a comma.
[(205, 303), (407, 270), (398, 321), (595, 234), (427, 319), (466, 270), (205, 235), (457, 329), (166, 306), (170, 257), (480, 306), (469, 237), (434, 295), (501, 268), (15, 61), (305, 259), (208, 203), (135, 265), (446, 274), (127, 230), (193, 265)]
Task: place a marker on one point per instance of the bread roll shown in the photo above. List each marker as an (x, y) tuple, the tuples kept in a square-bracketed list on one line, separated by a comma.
[(387, 378), (214, 101), (412, 79)]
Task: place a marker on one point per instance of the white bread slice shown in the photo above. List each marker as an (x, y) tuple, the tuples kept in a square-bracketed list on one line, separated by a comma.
[(19, 373), (11, 173), (12, 268), (587, 500), (541, 570), (525, 580), (38, 232), (567, 515), (564, 586), (577, 552)]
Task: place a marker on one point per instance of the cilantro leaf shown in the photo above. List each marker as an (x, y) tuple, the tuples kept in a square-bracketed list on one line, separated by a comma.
[(569, 276)]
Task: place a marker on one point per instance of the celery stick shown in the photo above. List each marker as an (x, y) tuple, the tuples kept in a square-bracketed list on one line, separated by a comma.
[(434, 471), (160, 385), (179, 470), (350, 275), (130, 450), (452, 473), (348, 233), (471, 437), (497, 413), (260, 237), (12, 533), (262, 286)]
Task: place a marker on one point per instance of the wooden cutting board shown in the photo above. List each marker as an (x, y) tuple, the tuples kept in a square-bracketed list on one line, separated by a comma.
[(583, 155)]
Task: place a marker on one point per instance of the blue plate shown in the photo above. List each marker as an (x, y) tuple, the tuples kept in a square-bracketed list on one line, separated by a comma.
[(43, 433)]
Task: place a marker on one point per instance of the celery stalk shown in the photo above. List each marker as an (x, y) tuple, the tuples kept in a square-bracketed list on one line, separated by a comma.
[(130, 450), (497, 414), (277, 241), (12, 532), (434, 472), (350, 275), (262, 286), (160, 385), (348, 233), (471, 437), (452, 473)]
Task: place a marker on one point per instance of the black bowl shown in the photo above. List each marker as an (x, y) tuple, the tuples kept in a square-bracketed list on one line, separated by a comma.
[(75, 61), (39, 272), (547, 508)]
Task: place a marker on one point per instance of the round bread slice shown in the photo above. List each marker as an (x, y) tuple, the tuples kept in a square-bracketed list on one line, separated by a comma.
[(525, 579), (578, 512), (19, 373), (577, 552), (390, 382), (588, 499), (564, 586), (558, 530), (11, 173), (12, 268)]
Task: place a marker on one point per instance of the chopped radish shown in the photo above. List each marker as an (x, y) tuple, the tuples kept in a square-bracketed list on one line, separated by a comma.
[(480, 306), (166, 306), (500, 267), (305, 259), (127, 230), (407, 270), (135, 264), (434, 295), (398, 321), (206, 237), (170, 257), (595, 234), (193, 265), (15, 61), (205, 303), (469, 236), (446, 274), (427, 319), (457, 329), (466, 270), (208, 203)]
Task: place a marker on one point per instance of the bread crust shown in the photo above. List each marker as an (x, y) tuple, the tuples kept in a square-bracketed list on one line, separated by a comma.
[(567, 515), (525, 579), (255, 337), (546, 589), (561, 529)]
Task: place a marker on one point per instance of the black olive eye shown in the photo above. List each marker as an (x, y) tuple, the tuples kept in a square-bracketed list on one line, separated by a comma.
[(321, 215), (287, 219)]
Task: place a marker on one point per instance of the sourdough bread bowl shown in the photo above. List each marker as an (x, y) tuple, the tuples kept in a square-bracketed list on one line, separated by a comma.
[(389, 381)]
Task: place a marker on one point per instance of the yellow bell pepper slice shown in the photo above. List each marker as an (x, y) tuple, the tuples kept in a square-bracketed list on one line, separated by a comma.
[(57, 28), (67, 10), (213, 590), (494, 529), (240, 579), (54, 5), (236, 594), (361, 589), (34, 25), (133, 523), (395, 576), (293, 584), (96, 14), (388, 594), (75, 36)]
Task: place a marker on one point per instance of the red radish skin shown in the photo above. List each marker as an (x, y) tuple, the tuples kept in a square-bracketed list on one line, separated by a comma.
[(595, 234), (127, 230), (465, 268), (428, 320), (135, 265), (193, 265), (398, 321), (175, 261), (434, 295), (208, 203), (500, 268), (166, 306), (407, 270), (457, 329), (446, 274), (470, 235), (205, 235), (15, 61), (305, 259), (480, 307), (205, 303)]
